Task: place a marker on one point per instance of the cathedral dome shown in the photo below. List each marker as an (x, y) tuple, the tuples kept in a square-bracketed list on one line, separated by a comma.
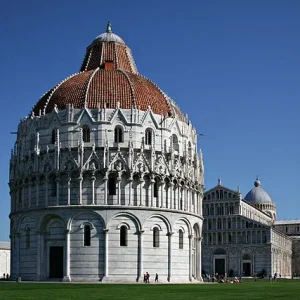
[(258, 195), (108, 78)]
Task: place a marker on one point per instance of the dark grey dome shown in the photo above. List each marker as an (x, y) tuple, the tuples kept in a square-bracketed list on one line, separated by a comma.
[(258, 194)]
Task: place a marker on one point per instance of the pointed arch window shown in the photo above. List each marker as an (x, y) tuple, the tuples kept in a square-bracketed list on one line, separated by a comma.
[(175, 142), (119, 137), (87, 235), (155, 237), (123, 235), (86, 134), (180, 239), (148, 136), (53, 185), (189, 149), (112, 186), (53, 136), (27, 242)]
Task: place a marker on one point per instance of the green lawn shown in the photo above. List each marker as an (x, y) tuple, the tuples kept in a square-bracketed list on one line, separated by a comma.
[(284, 289)]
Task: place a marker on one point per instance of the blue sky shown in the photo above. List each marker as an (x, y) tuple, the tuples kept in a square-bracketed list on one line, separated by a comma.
[(232, 66)]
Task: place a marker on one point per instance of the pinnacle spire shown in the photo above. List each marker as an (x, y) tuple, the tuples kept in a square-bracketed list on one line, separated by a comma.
[(108, 28)]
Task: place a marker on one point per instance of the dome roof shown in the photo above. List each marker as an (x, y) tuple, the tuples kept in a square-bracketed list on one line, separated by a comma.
[(108, 36), (258, 195), (108, 78)]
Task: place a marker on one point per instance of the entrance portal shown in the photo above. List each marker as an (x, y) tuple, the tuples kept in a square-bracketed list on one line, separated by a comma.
[(247, 269), (220, 266), (56, 262)]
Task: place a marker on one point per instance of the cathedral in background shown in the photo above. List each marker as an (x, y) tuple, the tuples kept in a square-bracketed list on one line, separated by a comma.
[(241, 236)]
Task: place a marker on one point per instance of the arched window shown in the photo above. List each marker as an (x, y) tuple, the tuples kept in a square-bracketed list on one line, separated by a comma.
[(27, 237), (32, 141), (86, 134), (155, 237), (53, 187), (87, 235), (148, 136), (180, 239), (123, 236), (175, 142), (119, 134), (189, 149), (53, 137), (229, 224), (112, 186)]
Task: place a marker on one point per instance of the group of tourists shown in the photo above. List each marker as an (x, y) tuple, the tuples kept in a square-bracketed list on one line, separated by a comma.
[(222, 278), (5, 277), (147, 277)]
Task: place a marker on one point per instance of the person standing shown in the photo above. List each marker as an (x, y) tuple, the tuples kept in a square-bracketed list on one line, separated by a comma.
[(156, 277)]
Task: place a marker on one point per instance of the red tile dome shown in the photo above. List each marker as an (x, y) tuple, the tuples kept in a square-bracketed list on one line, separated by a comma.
[(108, 77)]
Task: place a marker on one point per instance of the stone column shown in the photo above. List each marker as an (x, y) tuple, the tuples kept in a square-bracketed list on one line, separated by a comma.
[(37, 187), (46, 190), (80, 178), (105, 252), (140, 253), (130, 191), (69, 190), (67, 277), (29, 193), (119, 190), (190, 256), (105, 179), (170, 255), (171, 186), (152, 191), (38, 255), (198, 260), (161, 186), (23, 194), (17, 249), (141, 191), (57, 189), (93, 178)]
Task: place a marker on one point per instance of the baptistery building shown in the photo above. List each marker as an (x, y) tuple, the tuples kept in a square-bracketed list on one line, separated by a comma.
[(105, 178)]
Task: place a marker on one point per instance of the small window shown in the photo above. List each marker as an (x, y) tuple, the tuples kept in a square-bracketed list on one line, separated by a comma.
[(189, 149), (148, 136), (112, 186), (27, 238), (229, 224), (123, 236), (87, 235), (53, 137), (155, 237), (175, 142), (180, 239), (118, 134), (53, 187), (86, 134)]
